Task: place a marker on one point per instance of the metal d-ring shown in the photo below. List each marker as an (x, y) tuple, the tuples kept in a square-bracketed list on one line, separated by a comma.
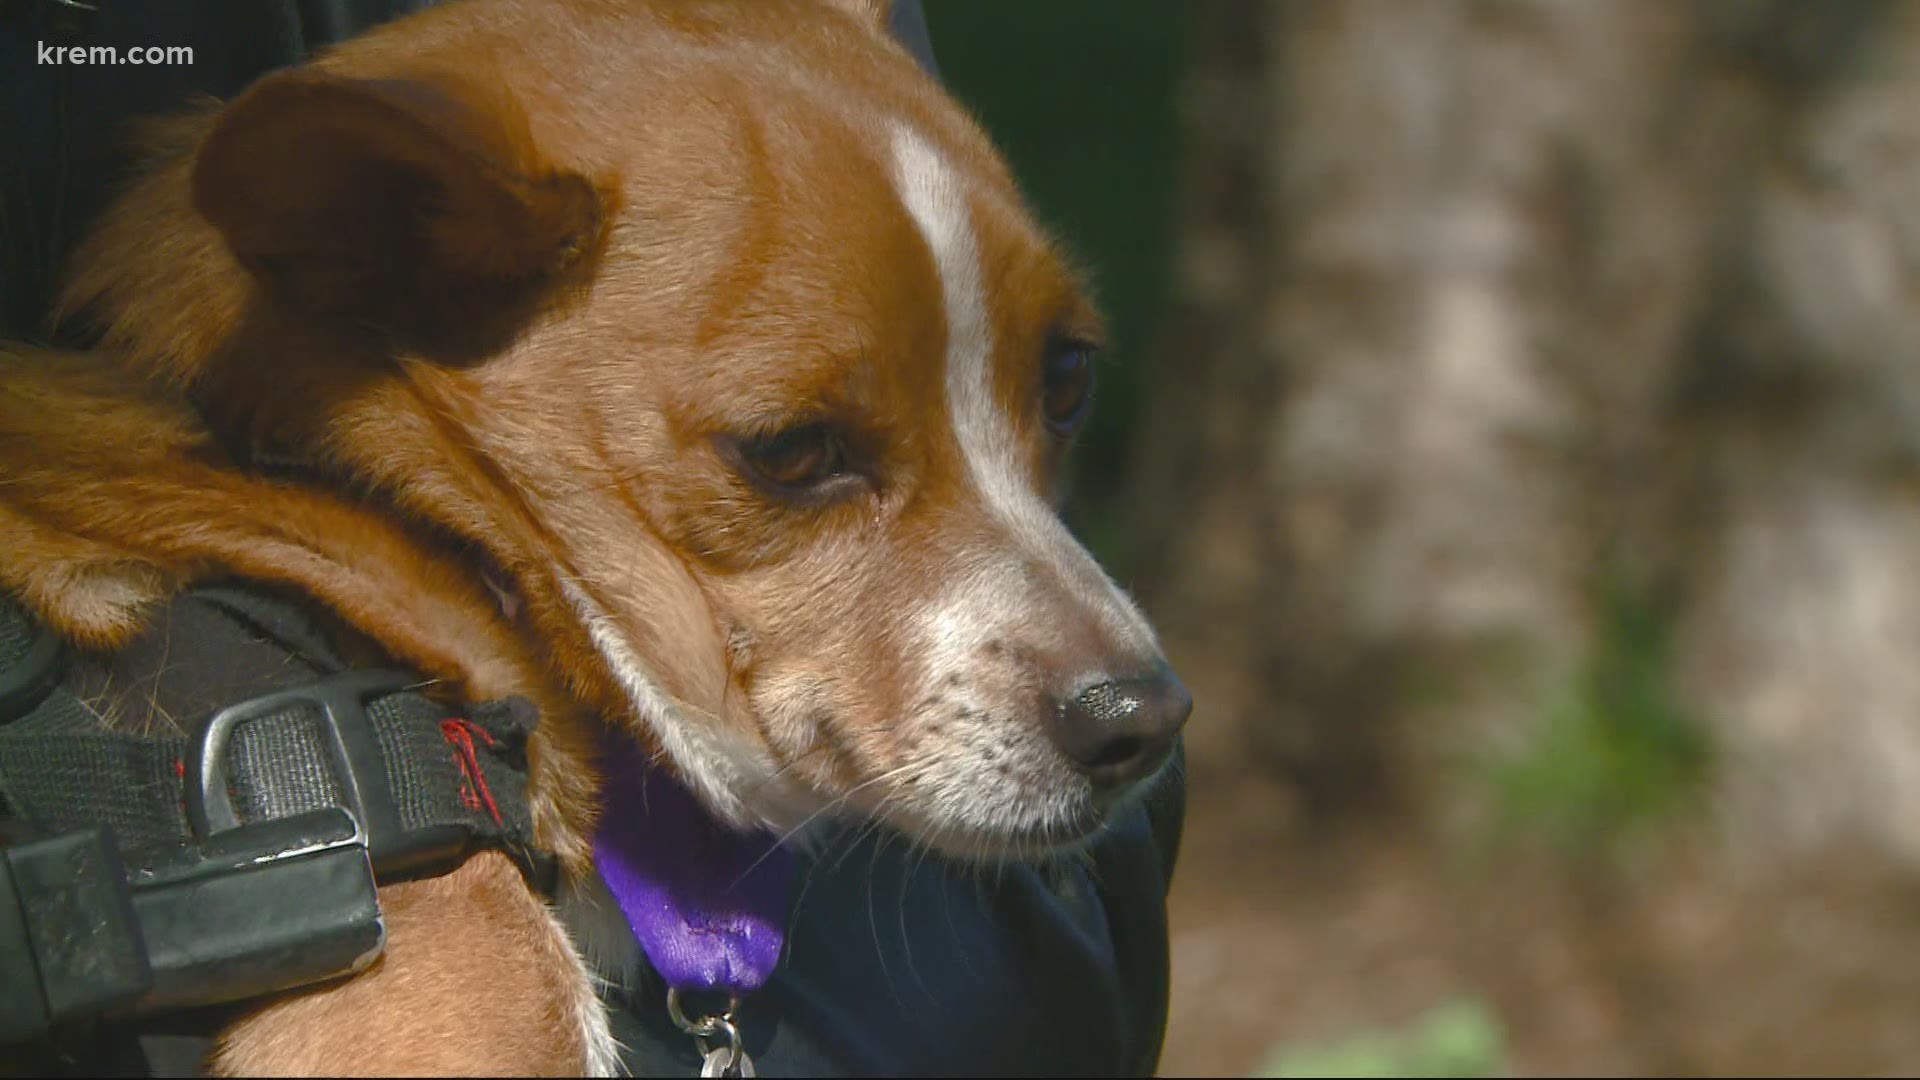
[(728, 1058), (724, 1060), (705, 1027)]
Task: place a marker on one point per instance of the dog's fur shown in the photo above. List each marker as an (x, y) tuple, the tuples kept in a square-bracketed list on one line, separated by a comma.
[(513, 283)]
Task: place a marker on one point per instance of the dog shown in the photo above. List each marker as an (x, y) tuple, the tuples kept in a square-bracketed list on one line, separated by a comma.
[(693, 370)]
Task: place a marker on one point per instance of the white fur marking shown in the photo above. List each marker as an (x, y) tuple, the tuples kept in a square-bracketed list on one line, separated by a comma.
[(933, 195), (715, 766), (985, 777), (589, 1011)]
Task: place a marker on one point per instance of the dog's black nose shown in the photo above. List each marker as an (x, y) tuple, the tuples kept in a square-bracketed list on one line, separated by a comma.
[(1120, 731)]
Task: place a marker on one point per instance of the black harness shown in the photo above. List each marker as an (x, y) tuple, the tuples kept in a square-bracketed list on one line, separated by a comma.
[(147, 867)]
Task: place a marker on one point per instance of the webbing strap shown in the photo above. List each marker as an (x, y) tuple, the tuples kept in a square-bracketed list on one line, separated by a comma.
[(62, 767)]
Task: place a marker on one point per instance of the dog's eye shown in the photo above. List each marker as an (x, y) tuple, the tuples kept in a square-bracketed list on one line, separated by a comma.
[(1067, 388), (798, 462)]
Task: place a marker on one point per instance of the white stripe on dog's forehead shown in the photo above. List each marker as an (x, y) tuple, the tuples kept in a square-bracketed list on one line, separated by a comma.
[(938, 203), (935, 196)]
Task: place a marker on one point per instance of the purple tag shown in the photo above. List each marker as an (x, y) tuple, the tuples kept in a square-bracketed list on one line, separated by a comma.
[(708, 905)]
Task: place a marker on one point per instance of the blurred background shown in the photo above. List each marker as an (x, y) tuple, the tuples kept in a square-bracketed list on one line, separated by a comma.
[(1514, 430)]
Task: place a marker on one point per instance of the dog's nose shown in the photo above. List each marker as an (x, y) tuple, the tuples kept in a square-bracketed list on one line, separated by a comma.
[(1120, 731)]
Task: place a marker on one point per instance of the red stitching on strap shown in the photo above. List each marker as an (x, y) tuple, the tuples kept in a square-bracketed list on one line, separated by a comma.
[(474, 792)]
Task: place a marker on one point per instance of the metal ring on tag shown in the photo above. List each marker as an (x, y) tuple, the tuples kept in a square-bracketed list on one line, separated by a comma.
[(716, 1063), (727, 1059), (721, 1026), (706, 1026)]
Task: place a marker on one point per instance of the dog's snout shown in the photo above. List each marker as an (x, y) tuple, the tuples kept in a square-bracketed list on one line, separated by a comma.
[(1119, 731)]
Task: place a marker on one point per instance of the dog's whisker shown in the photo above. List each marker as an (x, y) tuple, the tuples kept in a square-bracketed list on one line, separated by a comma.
[(797, 760), (811, 818), (924, 842)]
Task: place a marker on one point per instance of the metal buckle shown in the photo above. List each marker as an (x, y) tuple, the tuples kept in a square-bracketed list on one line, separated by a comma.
[(353, 752), (253, 911), (258, 909)]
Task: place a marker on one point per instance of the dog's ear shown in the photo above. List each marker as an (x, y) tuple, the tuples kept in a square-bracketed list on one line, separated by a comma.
[(421, 208)]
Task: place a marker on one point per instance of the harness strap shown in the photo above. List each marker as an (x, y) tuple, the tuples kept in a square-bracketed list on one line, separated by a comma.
[(427, 784), (148, 866)]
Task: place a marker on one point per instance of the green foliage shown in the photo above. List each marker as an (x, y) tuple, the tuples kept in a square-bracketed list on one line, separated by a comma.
[(1459, 1038), (1617, 753)]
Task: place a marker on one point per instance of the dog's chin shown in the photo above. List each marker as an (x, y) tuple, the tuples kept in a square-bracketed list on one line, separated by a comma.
[(1034, 828), (819, 822), (1039, 842), (1034, 844), (969, 814)]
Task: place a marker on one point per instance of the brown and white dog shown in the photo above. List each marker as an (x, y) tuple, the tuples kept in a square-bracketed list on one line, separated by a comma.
[(688, 367)]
